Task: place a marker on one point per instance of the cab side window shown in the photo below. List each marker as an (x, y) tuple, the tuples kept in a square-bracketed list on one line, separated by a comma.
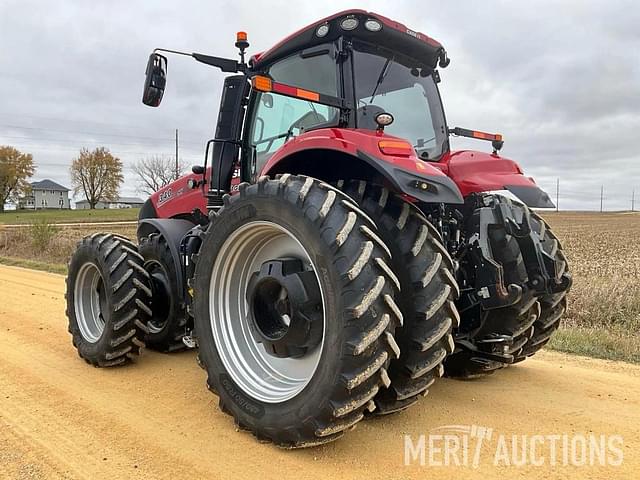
[(278, 118)]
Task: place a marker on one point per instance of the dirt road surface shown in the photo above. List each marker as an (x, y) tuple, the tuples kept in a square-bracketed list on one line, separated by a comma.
[(60, 418)]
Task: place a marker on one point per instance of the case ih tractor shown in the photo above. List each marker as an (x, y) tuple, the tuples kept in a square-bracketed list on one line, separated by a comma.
[(332, 257)]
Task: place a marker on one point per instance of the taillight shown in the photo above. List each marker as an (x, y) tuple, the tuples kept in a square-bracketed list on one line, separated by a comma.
[(396, 147)]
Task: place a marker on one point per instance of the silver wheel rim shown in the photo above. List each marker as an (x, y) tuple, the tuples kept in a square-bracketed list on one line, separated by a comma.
[(88, 295), (260, 375)]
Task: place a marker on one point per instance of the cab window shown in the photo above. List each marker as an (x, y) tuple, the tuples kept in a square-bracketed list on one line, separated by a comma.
[(277, 118)]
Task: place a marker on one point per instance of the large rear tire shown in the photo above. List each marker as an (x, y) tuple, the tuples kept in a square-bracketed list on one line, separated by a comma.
[(428, 289), (108, 294), (294, 386)]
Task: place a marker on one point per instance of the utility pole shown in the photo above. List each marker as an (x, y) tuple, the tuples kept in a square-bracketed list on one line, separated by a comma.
[(177, 172), (557, 194), (601, 196), (633, 200)]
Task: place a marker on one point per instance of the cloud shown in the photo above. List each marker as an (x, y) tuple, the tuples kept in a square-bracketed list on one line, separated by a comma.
[(560, 80)]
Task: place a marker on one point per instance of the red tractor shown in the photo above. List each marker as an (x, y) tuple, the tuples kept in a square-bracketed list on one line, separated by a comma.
[(332, 257)]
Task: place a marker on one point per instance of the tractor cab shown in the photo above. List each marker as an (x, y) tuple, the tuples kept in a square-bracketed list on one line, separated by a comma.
[(355, 71), (346, 70)]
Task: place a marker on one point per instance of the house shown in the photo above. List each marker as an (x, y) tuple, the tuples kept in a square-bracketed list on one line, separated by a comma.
[(120, 202), (46, 194)]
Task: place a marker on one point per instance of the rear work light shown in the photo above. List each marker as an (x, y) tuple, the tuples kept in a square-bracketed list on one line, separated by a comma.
[(373, 25), (322, 30), (396, 147), (349, 23)]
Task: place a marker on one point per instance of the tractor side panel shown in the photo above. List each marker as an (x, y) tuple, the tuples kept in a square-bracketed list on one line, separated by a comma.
[(475, 172), (177, 199)]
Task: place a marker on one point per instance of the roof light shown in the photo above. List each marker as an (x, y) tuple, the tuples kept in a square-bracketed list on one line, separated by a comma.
[(322, 30), (349, 23), (373, 25), (241, 36)]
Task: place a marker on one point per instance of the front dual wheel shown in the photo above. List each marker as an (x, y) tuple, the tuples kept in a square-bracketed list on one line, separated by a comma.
[(294, 311)]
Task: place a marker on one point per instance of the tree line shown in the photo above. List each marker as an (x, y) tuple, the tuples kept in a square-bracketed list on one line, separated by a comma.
[(96, 174)]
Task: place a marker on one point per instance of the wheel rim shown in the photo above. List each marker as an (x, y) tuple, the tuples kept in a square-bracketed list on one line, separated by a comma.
[(262, 376), (161, 300), (90, 302)]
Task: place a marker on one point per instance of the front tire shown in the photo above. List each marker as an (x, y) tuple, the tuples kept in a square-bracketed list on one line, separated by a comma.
[(554, 305), (323, 388), (108, 294)]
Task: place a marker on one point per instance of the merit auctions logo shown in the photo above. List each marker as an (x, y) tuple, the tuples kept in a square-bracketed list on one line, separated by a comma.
[(472, 445)]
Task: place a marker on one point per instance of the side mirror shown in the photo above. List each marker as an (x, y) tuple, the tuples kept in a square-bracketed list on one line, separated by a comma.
[(155, 81)]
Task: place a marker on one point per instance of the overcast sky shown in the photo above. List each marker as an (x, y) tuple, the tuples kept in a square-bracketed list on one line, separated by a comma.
[(560, 80)]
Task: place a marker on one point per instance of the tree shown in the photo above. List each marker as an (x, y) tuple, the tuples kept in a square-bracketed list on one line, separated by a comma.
[(155, 172), (97, 174), (15, 170)]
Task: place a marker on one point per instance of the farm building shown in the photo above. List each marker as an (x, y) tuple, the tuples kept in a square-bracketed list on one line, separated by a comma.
[(46, 194), (120, 202)]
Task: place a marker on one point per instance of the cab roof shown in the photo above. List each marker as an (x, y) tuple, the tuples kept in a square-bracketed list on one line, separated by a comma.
[(392, 35)]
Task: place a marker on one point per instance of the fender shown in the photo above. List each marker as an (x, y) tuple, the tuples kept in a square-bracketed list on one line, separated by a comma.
[(406, 174), (173, 230), (476, 172)]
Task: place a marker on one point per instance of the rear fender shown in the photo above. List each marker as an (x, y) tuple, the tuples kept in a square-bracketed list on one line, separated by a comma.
[(405, 174), (173, 231)]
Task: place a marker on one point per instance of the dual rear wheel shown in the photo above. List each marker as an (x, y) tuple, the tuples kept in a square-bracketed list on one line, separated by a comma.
[(309, 314)]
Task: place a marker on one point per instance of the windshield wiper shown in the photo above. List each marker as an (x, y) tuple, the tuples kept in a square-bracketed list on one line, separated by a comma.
[(383, 74)]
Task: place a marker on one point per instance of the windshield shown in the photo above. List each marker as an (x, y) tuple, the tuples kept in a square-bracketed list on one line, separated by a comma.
[(400, 86)]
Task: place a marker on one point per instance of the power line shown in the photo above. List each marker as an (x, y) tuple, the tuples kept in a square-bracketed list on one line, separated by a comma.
[(84, 132), (68, 140)]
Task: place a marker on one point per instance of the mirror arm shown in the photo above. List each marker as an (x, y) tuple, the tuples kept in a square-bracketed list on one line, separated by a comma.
[(224, 64)]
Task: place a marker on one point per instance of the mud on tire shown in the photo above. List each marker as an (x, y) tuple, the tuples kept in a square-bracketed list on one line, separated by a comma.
[(351, 265), (428, 289), (108, 294)]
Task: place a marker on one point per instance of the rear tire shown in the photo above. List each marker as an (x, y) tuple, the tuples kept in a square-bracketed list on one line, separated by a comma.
[(108, 294), (427, 291), (168, 322), (341, 247)]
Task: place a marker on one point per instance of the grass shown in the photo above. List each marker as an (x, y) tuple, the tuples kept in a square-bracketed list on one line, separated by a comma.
[(23, 217), (60, 268), (598, 343), (603, 319), (25, 243)]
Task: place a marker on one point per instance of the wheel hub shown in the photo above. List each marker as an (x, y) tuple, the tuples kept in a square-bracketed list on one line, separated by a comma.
[(285, 312)]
